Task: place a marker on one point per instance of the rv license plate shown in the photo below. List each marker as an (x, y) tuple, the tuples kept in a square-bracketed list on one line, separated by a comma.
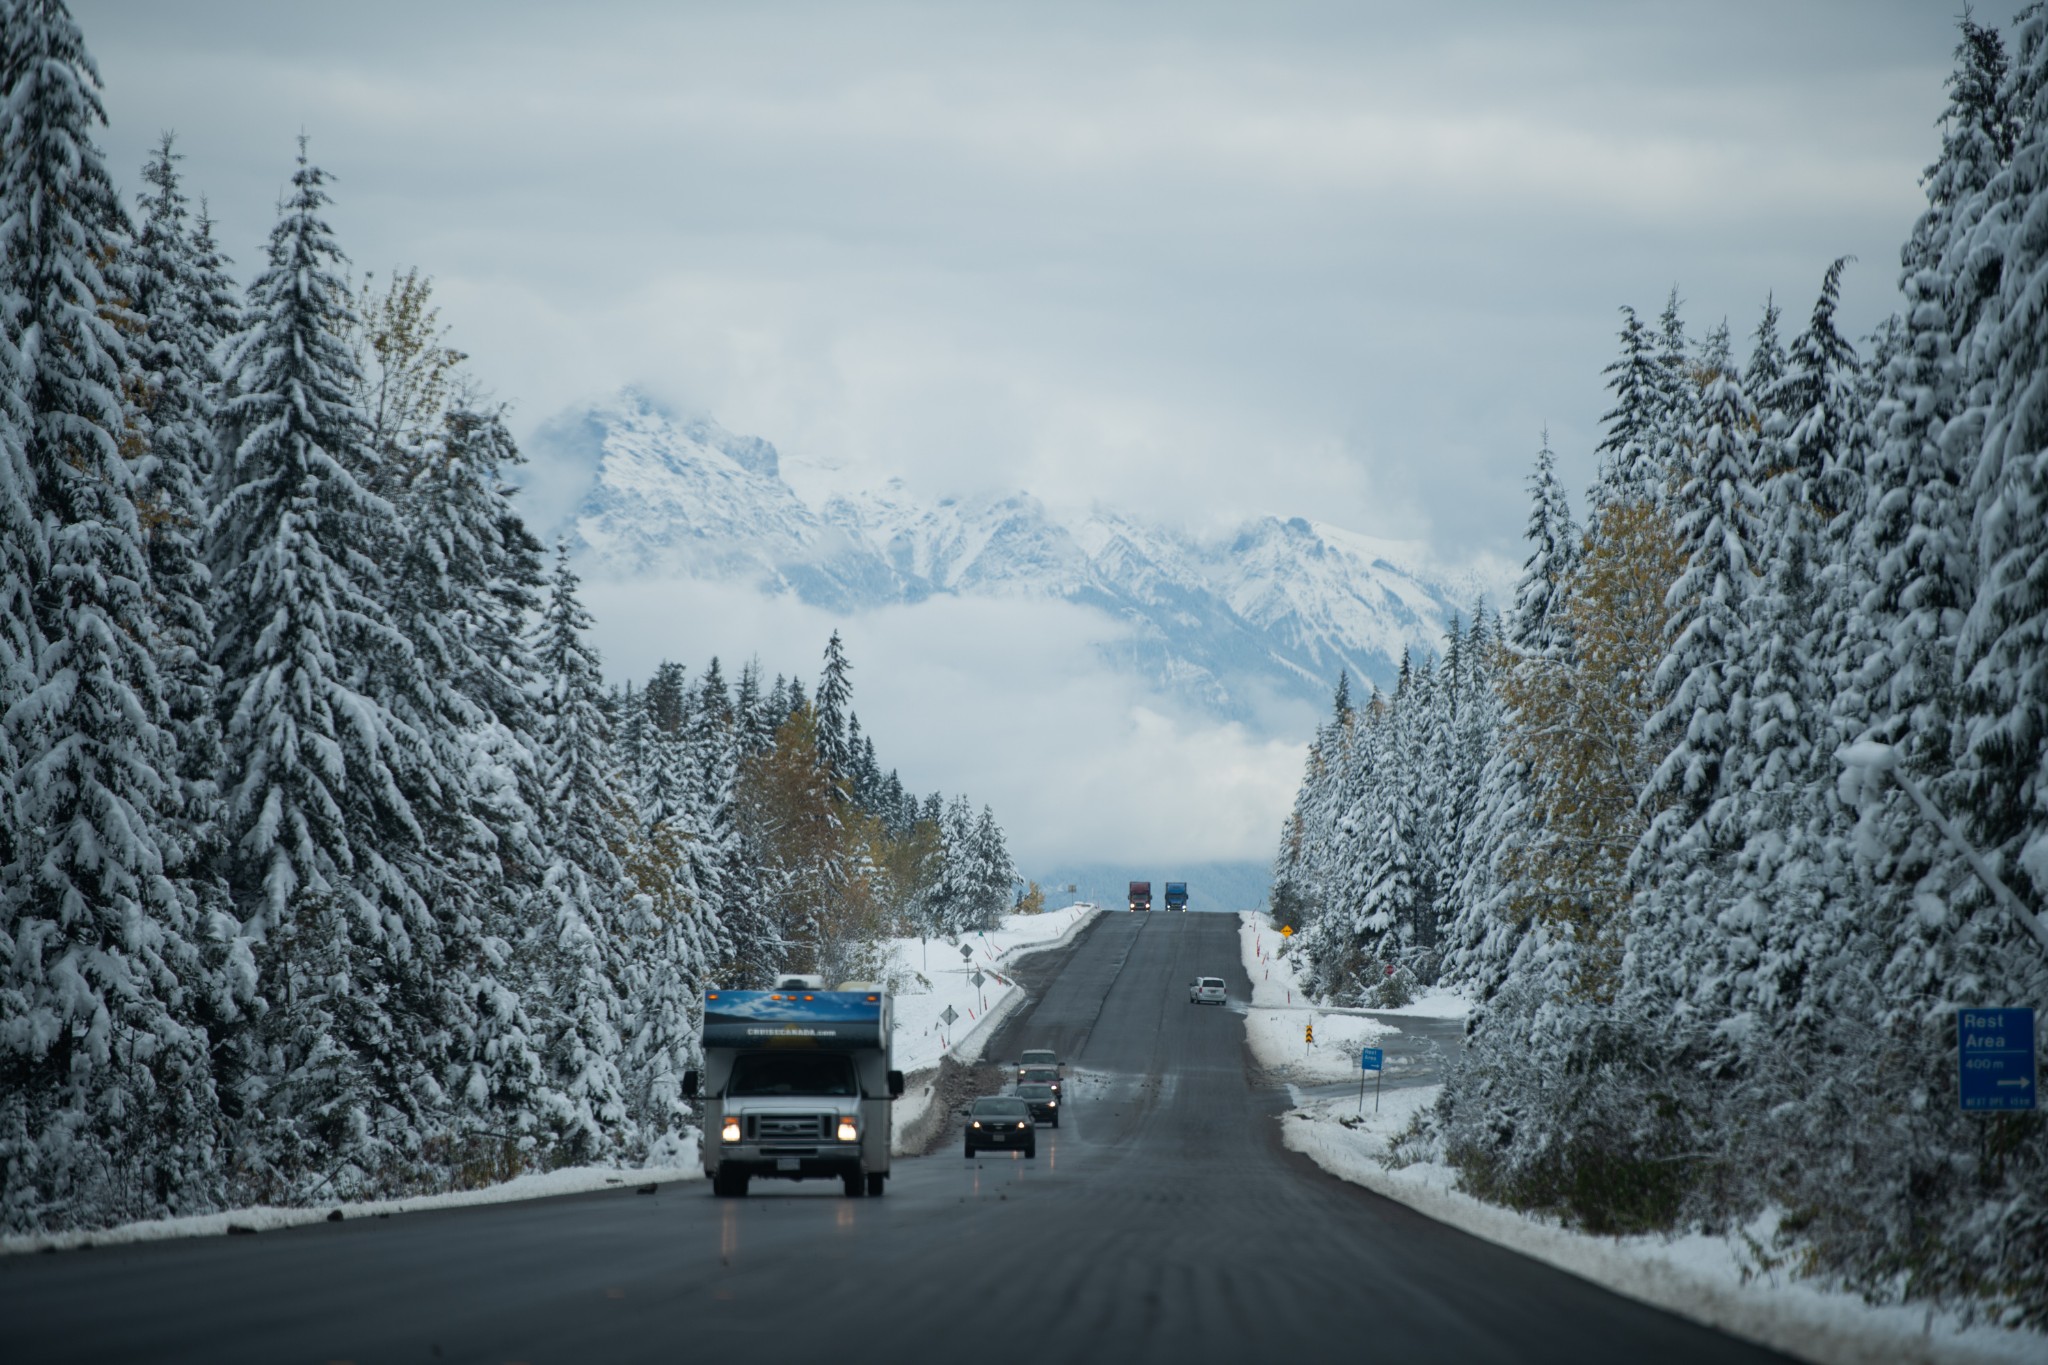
[(787, 1163)]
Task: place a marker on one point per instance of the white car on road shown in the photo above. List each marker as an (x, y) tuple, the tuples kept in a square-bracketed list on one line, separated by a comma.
[(1207, 990)]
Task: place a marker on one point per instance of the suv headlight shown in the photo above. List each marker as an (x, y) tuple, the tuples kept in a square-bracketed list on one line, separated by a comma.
[(731, 1130)]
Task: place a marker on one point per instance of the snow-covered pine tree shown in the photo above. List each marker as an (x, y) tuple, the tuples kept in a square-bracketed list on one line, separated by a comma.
[(1766, 365), (1704, 681), (1781, 932), (107, 1102), (834, 703), (322, 836), (585, 818), (993, 872), (1676, 412), (174, 398), (463, 584), (2004, 638), (751, 711), (1630, 468), (1553, 549)]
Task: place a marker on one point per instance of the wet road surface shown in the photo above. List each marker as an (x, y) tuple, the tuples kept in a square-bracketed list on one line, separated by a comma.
[(1162, 1221)]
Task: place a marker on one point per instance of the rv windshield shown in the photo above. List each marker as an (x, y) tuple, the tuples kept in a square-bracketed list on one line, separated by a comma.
[(792, 1073)]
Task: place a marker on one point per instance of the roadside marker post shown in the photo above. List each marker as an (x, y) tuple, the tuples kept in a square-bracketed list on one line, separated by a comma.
[(1369, 1060), (1308, 1039)]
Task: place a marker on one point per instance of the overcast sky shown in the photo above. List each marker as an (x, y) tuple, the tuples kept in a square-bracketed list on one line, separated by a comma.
[(1341, 260)]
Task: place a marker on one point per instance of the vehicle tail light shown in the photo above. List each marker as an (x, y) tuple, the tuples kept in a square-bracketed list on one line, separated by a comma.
[(847, 1131)]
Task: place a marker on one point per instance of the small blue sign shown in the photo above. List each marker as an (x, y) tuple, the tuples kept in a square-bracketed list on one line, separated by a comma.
[(1995, 1054), (1369, 1059)]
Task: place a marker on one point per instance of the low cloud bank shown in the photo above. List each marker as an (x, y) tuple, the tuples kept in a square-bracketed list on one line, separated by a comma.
[(1006, 700)]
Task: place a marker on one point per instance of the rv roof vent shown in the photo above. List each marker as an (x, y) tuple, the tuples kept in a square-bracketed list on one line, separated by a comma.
[(795, 982)]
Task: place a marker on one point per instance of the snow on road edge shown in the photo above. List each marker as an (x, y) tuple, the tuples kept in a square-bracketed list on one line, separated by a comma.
[(1695, 1276), (267, 1218)]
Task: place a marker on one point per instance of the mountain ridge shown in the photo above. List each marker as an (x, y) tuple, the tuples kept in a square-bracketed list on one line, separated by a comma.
[(1269, 611)]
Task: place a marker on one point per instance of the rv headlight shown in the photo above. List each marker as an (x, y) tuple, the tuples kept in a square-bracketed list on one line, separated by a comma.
[(848, 1132), (731, 1131)]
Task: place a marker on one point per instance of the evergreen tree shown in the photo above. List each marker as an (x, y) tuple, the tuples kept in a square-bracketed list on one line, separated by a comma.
[(1553, 549), (584, 820), (2004, 636), (322, 833), (1630, 451), (174, 398), (107, 1103), (835, 697), (993, 872), (1678, 392), (1767, 358)]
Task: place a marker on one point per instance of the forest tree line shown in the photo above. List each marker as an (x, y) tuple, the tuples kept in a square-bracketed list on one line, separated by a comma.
[(330, 866), (1659, 817)]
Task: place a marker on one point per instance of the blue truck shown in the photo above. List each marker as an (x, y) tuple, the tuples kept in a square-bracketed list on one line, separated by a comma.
[(1176, 895)]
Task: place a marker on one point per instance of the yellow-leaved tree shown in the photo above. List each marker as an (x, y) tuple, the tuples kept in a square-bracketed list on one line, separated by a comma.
[(1580, 728)]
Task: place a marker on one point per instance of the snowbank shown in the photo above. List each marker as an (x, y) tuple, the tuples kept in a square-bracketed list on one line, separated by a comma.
[(1719, 1281), (263, 1218), (1278, 1018), (926, 991)]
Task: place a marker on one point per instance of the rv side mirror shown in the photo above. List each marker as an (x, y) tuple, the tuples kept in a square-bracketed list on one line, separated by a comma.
[(690, 1084), (895, 1085)]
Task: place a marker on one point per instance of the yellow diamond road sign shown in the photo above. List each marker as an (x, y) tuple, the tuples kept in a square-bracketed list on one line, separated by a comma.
[(1287, 931)]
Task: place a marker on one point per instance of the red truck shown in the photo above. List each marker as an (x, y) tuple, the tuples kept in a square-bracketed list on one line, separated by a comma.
[(1141, 895)]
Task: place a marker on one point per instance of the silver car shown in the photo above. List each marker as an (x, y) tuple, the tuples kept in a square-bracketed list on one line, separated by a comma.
[(1207, 990)]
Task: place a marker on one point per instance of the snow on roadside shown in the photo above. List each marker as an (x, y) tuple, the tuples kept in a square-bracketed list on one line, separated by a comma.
[(264, 1218), (924, 993), (1720, 1281), (1277, 1019)]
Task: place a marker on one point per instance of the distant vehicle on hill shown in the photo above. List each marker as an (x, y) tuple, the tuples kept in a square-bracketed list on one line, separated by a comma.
[(1176, 895), (1141, 896)]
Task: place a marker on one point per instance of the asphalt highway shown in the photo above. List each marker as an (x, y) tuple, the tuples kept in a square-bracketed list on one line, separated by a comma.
[(1162, 1221)]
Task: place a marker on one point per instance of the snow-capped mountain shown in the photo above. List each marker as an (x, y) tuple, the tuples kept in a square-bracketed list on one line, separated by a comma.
[(1270, 612)]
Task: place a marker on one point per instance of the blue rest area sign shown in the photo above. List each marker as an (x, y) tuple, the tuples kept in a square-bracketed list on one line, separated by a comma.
[(1995, 1053), (1369, 1059)]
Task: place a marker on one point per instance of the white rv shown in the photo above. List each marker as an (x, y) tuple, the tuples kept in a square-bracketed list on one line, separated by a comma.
[(797, 1084)]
